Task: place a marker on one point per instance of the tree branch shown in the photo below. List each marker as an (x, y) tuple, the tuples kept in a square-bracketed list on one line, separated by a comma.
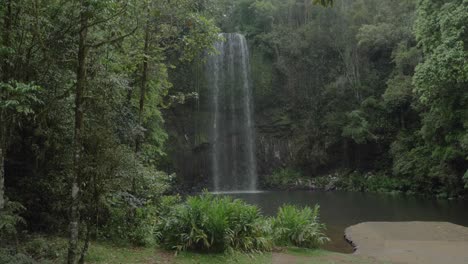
[(104, 20), (113, 40)]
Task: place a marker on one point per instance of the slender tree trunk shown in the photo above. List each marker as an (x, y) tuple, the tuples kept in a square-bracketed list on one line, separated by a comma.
[(77, 148), (86, 244), (144, 83), (2, 182), (5, 71), (7, 23), (96, 207)]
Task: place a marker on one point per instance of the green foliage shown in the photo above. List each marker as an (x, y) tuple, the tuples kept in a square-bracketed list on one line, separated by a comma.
[(465, 177), (352, 87), (324, 2), (356, 82), (440, 83), (214, 224), (209, 223), (19, 97), (357, 128), (298, 227), (10, 219), (152, 184), (130, 220), (285, 178), (167, 203), (35, 249), (7, 257), (375, 182), (42, 249), (39, 48), (377, 36), (143, 229), (399, 93)]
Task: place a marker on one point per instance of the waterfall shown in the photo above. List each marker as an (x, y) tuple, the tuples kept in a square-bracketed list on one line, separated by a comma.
[(233, 164)]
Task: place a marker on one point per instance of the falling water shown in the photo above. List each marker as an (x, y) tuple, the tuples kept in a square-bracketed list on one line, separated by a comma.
[(232, 130)]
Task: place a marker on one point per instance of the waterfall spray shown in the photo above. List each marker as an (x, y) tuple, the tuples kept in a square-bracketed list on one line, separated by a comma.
[(232, 137)]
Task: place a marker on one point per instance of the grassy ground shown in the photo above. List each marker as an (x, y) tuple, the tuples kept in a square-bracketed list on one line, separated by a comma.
[(53, 250), (107, 254), (104, 253)]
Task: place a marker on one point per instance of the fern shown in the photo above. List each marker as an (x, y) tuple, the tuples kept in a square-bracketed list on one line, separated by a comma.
[(215, 224), (10, 218), (299, 227)]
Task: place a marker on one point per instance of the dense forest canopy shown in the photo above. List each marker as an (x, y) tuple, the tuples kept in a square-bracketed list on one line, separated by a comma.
[(365, 86), (100, 100)]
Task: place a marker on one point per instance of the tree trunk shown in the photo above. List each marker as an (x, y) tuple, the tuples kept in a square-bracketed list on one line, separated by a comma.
[(77, 148), (7, 23), (144, 83), (5, 71), (86, 244), (2, 181)]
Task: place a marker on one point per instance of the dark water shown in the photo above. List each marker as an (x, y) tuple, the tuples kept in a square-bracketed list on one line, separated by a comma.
[(342, 209)]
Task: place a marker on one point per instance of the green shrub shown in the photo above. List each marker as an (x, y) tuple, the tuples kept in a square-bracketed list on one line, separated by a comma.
[(130, 220), (166, 203), (214, 224), (378, 183), (10, 219), (143, 226), (7, 257), (298, 227), (39, 248), (34, 249), (284, 178)]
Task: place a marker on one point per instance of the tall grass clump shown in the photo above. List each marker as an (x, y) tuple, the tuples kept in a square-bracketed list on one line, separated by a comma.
[(210, 223), (298, 227)]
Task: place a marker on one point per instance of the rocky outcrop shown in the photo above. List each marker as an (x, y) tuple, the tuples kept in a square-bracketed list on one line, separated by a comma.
[(410, 242)]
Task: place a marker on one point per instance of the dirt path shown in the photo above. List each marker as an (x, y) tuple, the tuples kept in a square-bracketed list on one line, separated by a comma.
[(411, 242)]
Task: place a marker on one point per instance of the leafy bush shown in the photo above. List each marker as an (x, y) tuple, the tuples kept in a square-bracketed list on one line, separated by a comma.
[(284, 178), (374, 183), (34, 249), (130, 220), (214, 224), (298, 227), (143, 225), (166, 203), (39, 249), (10, 219), (7, 257), (43, 249), (326, 182)]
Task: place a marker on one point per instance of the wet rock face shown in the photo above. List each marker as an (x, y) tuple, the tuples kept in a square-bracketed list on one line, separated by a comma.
[(272, 153)]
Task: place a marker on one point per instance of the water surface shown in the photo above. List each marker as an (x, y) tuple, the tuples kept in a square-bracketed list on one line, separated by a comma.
[(339, 210)]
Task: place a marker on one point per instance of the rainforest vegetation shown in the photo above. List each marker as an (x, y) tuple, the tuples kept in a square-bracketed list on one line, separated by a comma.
[(100, 117), (365, 86)]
